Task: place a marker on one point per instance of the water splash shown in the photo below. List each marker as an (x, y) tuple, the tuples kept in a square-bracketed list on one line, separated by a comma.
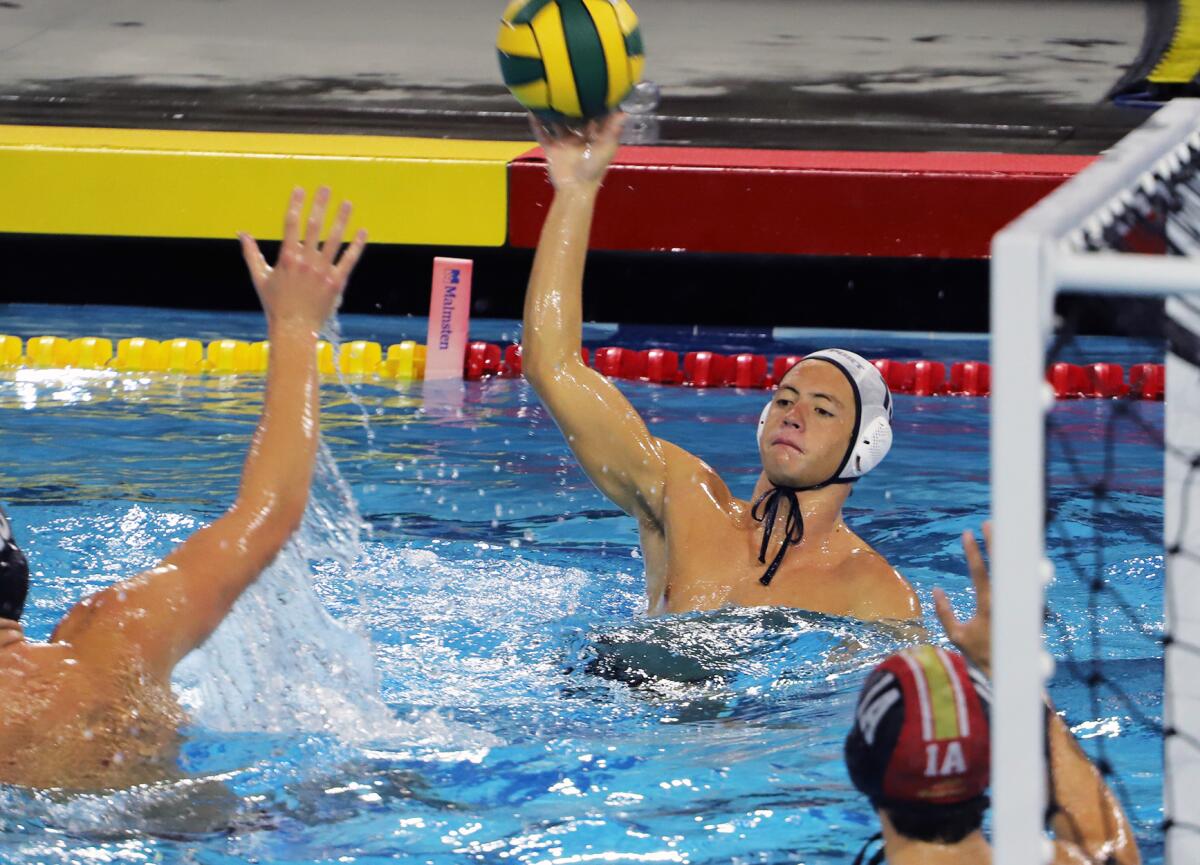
[(281, 663)]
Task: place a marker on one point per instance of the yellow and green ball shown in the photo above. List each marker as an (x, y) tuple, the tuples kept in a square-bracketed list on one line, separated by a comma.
[(570, 59)]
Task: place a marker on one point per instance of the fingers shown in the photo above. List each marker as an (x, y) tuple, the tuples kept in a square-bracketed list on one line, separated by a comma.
[(255, 262), (945, 612), (348, 261), (978, 570), (980, 578), (540, 131), (333, 243), (291, 220), (612, 126), (316, 218)]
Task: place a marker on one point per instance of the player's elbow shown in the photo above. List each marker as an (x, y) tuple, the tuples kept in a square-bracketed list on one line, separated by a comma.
[(540, 372), (270, 521), (536, 363), (545, 368)]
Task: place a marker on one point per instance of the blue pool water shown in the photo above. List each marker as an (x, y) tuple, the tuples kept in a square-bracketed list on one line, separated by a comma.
[(490, 577)]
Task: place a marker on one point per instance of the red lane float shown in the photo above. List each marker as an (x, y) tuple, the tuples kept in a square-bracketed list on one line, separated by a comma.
[(512, 361), (897, 374), (1146, 381), (750, 370), (483, 358), (1106, 380), (706, 369), (929, 378), (662, 366), (1068, 380), (781, 367), (970, 378)]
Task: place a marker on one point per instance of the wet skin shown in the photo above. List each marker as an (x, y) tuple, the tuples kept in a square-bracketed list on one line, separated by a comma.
[(700, 541), (93, 708), (705, 551), (82, 725)]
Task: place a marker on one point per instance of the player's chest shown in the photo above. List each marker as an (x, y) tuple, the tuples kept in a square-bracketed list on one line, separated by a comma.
[(718, 565)]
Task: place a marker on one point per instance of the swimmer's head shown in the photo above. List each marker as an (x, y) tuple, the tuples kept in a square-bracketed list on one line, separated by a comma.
[(829, 422), (920, 742), (14, 573)]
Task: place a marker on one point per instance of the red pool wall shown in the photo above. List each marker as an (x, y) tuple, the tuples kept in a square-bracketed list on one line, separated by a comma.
[(829, 203)]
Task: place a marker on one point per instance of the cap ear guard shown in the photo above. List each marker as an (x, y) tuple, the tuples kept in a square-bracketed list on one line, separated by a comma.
[(762, 420), (872, 445)]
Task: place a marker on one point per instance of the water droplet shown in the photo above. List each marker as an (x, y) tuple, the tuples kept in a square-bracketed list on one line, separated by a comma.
[(643, 98)]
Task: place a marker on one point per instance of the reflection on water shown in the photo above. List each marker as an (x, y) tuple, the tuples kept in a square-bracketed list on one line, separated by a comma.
[(464, 671)]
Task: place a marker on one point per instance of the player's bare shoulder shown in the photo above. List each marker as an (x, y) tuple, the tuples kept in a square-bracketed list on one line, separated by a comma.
[(882, 592), (689, 475)]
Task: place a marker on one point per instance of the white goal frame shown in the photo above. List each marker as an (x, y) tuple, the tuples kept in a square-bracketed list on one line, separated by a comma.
[(1035, 258)]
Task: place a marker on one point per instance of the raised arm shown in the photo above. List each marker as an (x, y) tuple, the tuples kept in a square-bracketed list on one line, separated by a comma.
[(607, 436), (1089, 823), (162, 614)]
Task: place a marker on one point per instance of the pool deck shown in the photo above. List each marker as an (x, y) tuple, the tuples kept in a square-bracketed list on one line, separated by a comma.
[(1001, 75), (765, 104)]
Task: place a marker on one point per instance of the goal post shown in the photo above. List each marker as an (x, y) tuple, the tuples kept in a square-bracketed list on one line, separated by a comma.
[(1065, 244)]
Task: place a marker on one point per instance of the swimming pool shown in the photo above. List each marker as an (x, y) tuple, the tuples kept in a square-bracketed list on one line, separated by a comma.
[(494, 582)]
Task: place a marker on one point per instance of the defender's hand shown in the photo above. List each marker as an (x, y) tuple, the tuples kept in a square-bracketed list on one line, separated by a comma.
[(579, 157), (305, 286), (974, 636)]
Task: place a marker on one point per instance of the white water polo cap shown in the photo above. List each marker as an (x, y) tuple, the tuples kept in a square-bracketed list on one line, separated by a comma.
[(872, 413)]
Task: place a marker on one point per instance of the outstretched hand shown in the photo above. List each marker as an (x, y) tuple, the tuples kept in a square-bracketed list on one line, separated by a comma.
[(579, 157), (974, 636), (305, 286)]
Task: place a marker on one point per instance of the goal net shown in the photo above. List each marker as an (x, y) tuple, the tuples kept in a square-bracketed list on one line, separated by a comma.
[(1096, 565)]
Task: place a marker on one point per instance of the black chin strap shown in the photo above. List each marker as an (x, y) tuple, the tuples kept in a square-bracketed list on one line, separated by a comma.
[(877, 859), (793, 529), (766, 509)]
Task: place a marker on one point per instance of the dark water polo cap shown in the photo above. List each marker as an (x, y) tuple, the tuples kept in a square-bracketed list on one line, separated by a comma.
[(921, 731), (14, 573)]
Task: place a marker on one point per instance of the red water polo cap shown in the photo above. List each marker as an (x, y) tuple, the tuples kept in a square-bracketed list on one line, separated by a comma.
[(920, 733)]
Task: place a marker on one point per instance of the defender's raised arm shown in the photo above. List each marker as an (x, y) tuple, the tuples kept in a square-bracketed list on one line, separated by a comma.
[(607, 436), (1089, 823), (159, 616)]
